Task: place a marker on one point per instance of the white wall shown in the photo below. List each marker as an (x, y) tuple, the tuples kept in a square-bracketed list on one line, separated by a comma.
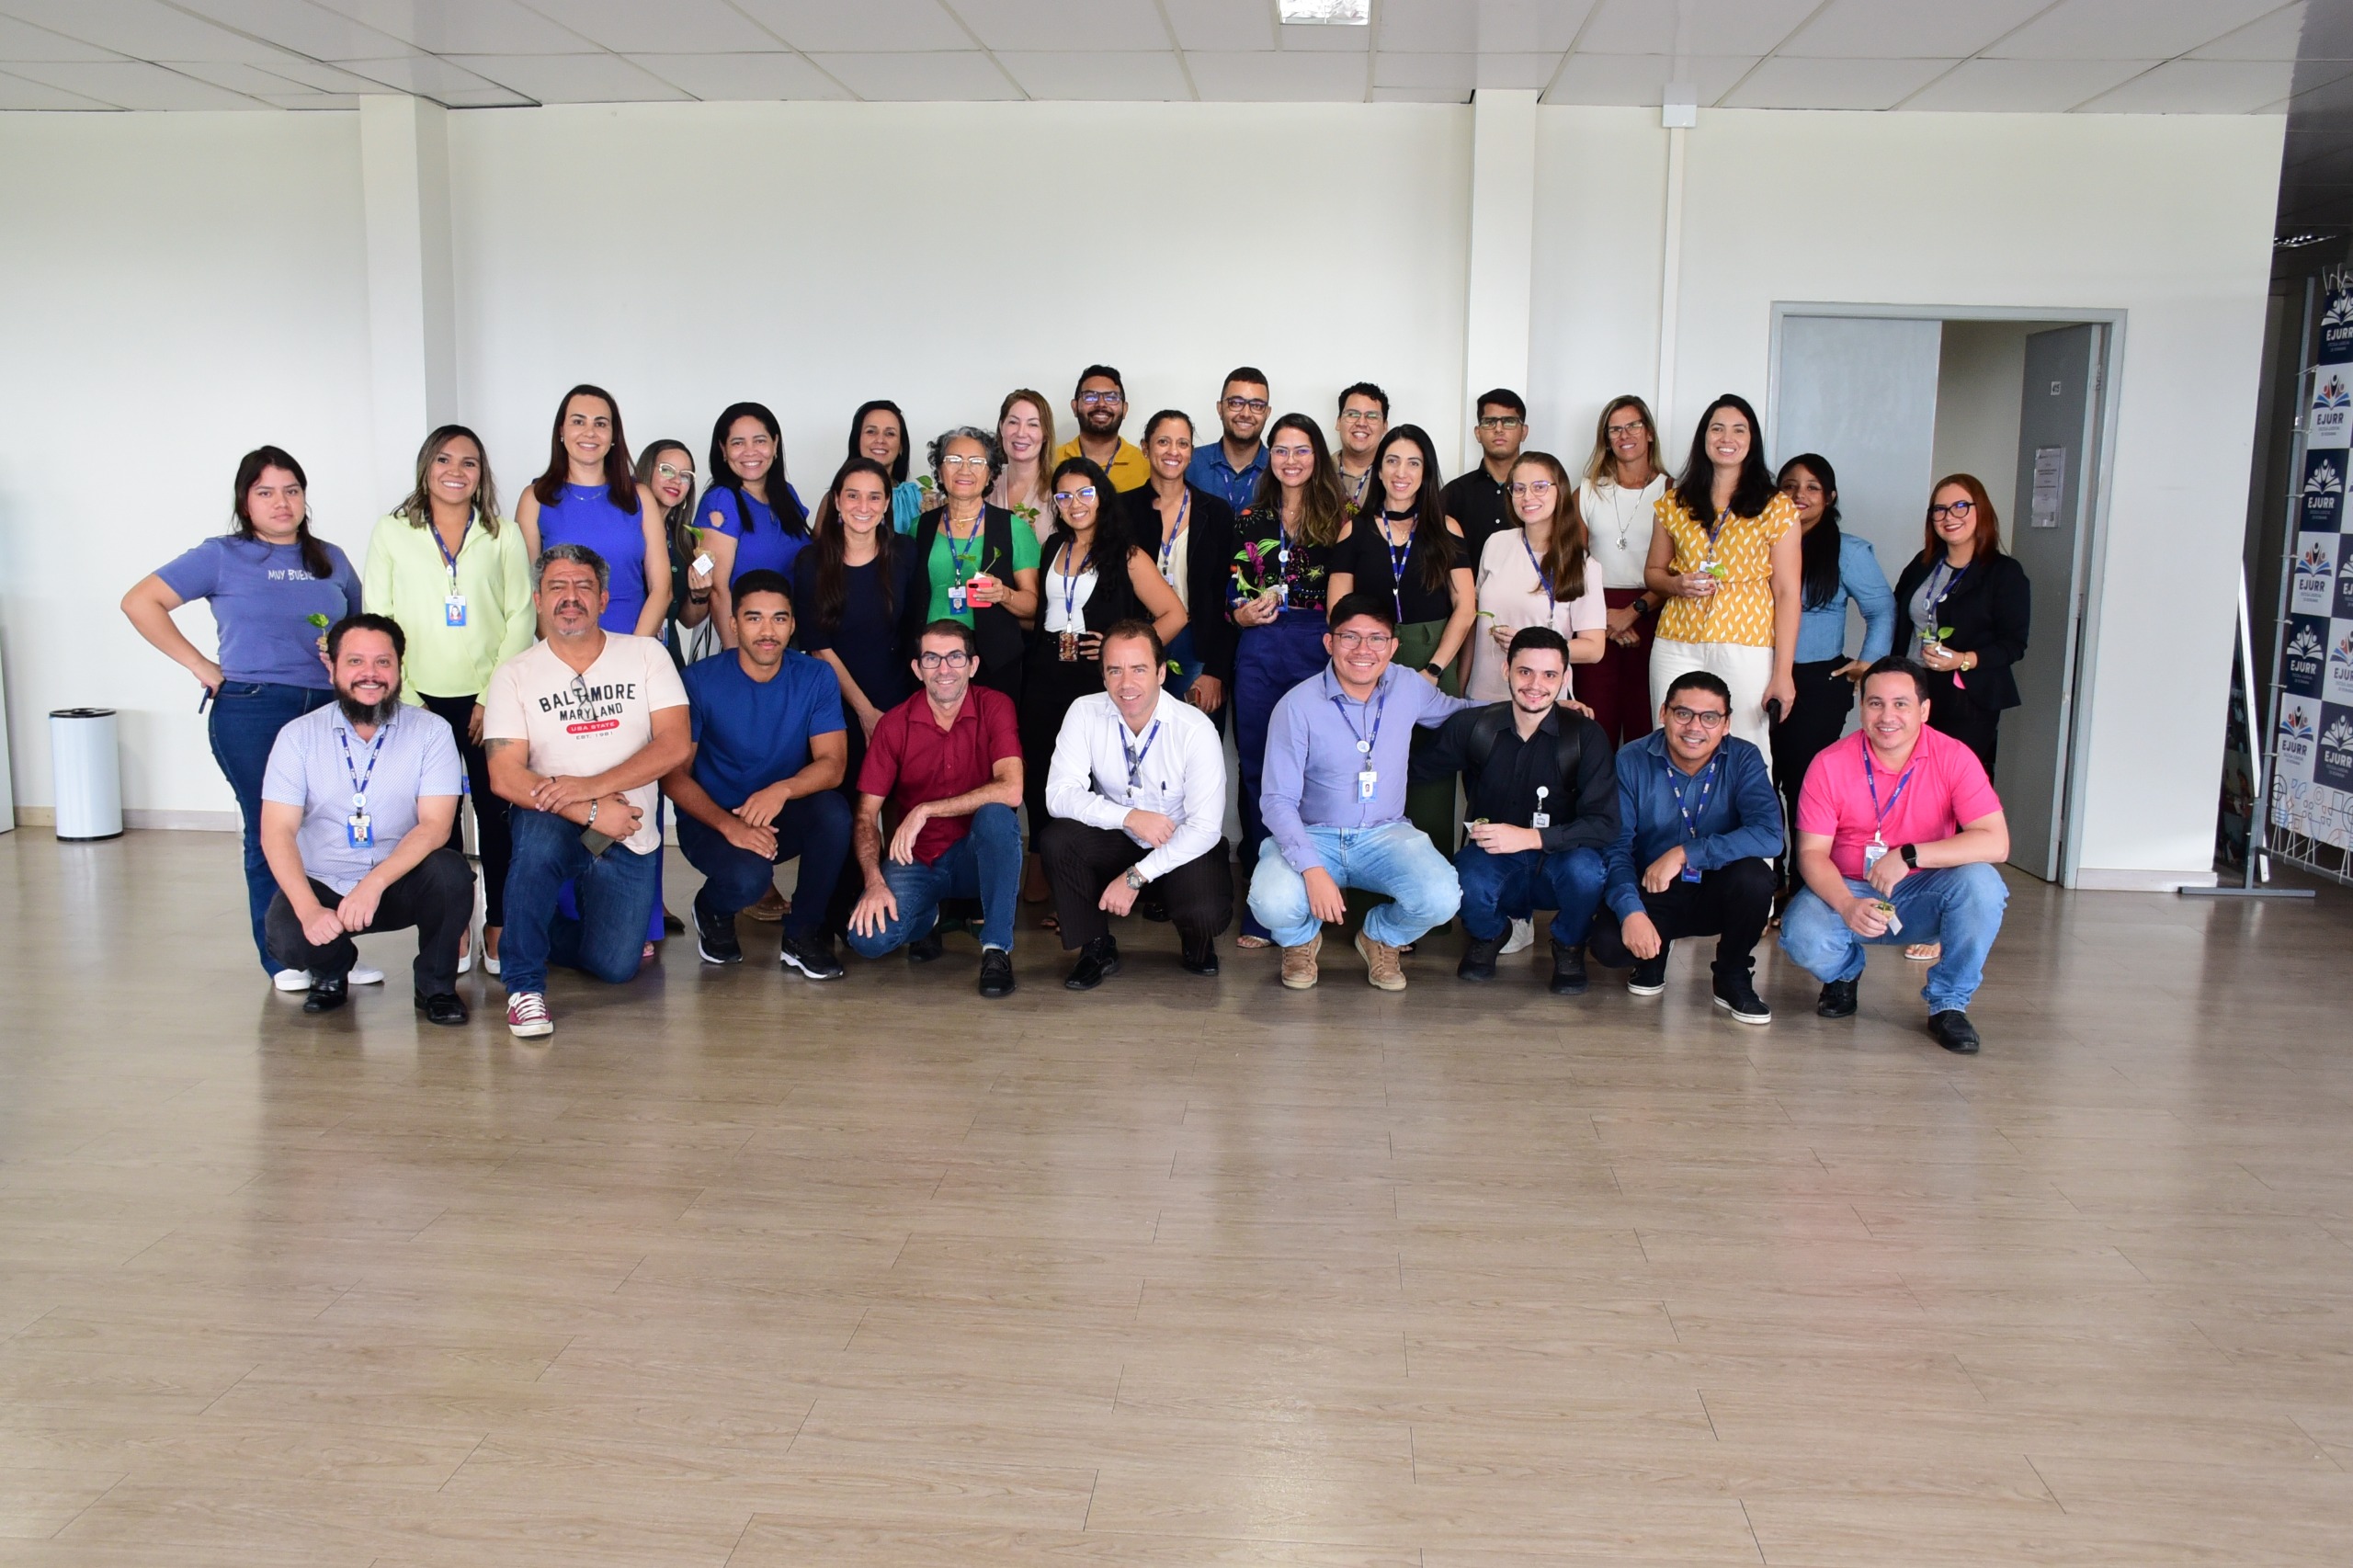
[(175, 290), (1981, 380)]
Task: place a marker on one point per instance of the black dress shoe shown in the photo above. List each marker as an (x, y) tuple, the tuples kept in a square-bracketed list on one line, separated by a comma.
[(327, 993), (1152, 905), (1478, 961), (672, 924), (1096, 961), (926, 947), (1954, 1032), (1202, 962), (1568, 971), (1837, 999), (444, 1009), (997, 972)]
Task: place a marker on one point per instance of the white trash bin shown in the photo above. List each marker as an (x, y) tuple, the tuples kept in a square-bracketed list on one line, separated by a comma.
[(87, 766)]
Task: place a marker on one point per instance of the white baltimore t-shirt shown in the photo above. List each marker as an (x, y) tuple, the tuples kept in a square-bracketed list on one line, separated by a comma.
[(581, 722)]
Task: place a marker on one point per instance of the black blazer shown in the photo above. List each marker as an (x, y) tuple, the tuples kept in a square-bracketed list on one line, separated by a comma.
[(996, 629), (1989, 608), (1209, 561)]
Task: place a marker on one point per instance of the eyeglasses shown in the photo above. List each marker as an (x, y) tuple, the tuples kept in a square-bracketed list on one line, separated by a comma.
[(1958, 509), (1531, 487), (1372, 641), (668, 470), (959, 460), (1246, 405), (1706, 718), (1360, 416), (1064, 497), (1616, 431), (1500, 422), (955, 661), (1098, 399)]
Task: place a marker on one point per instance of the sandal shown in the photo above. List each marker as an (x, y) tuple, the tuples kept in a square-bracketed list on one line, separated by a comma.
[(1248, 943), (1924, 952)]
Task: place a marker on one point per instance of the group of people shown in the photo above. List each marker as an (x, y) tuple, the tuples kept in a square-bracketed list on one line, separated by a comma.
[(1597, 665)]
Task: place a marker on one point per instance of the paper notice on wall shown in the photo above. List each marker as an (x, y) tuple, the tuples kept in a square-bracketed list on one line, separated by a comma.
[(2050, 486)]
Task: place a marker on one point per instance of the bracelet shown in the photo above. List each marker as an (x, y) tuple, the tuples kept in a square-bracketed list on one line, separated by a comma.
[(698, 598), (592, 815)]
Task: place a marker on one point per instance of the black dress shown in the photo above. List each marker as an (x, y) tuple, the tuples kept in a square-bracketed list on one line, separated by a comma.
[(1050, 683)]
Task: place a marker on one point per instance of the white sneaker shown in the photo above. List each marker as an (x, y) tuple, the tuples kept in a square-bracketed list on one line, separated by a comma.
[(1522, 937), (362, 975), (291, 980), (526, 1016)]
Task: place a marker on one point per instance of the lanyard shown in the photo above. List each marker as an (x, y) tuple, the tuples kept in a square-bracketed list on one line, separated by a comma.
[(1168, 545), (1366, 739), (1880, 813), (1537, 566), (1715, 530), (956, 555), (448, 556), (1069, 586), (1941, 586), (1136, 758), (359, 780), (1396, 562), (1707, 783)]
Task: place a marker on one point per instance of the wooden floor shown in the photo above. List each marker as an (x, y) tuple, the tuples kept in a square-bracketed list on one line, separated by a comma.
[(745, 1271)]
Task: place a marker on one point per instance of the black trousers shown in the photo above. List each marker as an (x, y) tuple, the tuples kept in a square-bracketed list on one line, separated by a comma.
[(1974, 727), (437, 897), (1819, 718), (490, 811), (1082, 860), (1731, 903)]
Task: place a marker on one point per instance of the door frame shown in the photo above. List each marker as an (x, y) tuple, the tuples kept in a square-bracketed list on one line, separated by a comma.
[(2077, 744)]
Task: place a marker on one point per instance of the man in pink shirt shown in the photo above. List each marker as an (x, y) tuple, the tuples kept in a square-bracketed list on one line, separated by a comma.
[(1898, 834)]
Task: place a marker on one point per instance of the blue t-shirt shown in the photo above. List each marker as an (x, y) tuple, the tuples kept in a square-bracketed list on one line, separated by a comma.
[(768, 547), (262, 596), (585, 514), (750, 733)]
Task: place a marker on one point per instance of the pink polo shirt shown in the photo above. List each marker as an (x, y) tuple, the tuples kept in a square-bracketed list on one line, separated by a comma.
[(1947, 787)]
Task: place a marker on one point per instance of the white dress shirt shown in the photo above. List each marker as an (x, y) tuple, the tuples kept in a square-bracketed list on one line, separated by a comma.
[(1179, 770)]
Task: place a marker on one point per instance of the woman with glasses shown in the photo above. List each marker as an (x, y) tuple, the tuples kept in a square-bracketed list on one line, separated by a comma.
[(1276, 596), (1095, 577), (1189, 534), (667, 470), (1967, 606), (1725, 554), (589, 496), (1617, 502), (1025, 436), (877, 432), (1543, 572), (979, 561), (752, 521)]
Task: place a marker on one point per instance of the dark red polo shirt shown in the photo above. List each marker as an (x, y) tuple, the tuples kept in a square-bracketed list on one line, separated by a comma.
[(910, 760)]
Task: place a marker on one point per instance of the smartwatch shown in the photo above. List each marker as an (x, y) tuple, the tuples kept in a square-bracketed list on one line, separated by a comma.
[(1434, 668), (1135, 883), (1911, 853)]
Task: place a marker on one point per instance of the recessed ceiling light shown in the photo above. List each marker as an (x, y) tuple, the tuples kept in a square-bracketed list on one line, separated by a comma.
[(1327, 13)]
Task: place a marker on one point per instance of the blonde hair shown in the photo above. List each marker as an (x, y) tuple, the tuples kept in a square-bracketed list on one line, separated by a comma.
[(1036, 400), (1600, 468)]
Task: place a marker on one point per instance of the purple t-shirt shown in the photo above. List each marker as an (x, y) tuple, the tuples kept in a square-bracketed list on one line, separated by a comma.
[(262, 596)]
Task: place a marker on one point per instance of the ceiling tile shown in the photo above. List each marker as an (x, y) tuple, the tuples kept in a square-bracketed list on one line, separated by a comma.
[(1420, 95), (484, 97), (2275, 37), (19, 93), (1640, 80), (320, 78), (1706, 26), (1102, 76), (423, 74), (949, 76), (2199, 87), (1057, 26), (1475, 27), (869, 26), (1462, 72), (311, 100), (1222, 24), (237, 76), (464, 27), (144, 29), (1834, 84), (2100, 30), (300, 26), (675, 26), (2023, 86), (742, 78), (1319, 38), (134, 84), (1910, 29), (569, 78), (1261, 76), (22, 40)]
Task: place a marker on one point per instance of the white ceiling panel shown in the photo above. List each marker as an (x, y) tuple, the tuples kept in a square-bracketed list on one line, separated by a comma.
[(1906, 29), (1834, 84), (1463, 72), (673, 27), (2096, 30), (134, 84), (1258, 76), (1320, 38), (1640, 80), (1062, 25), (310, 101), (1098, 76), (320, 78), (22, 40), (426, 76), (1479, 27), (2274, 37), (19, 93), (867, 27), (571, 78), (1419, 96), (237, 76), (2023, 86), (299, 26), (144, 29), (1222, 24), (742, 78), (1697, 27), (464, 27), (954, 75), (2200, 87)]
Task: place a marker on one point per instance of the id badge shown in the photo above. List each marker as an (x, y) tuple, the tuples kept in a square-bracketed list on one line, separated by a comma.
[(359, 831), (957, 603), (1366, 781), (453, 610), (1282, 594), (1873, 853), (1690, 873), (1541, 818)]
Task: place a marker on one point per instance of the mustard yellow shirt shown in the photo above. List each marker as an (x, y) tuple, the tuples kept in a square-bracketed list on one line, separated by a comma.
[(1741, 609), (1129, 468)]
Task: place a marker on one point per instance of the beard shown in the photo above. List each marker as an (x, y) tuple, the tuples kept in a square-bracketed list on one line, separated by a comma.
[(370, 713)]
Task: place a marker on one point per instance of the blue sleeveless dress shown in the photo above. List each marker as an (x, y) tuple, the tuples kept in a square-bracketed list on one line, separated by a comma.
[(586, 516)]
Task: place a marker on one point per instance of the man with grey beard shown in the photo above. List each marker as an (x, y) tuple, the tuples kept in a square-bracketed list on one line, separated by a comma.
[(355, 809)]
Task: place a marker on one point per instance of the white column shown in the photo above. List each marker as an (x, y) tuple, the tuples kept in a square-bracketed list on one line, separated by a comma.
[(411, 338), (1503, 237)]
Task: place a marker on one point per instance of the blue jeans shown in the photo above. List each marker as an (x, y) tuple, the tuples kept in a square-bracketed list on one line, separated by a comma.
[(1396, 858), (1958, 905), (1500, 889), (985, 864), (813, 828), (615, 890), (246, 717), (1268, 661)]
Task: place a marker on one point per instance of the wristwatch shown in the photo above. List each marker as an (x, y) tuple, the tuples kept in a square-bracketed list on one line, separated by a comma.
[(1911, 853), (1434, 668), (1135, 883)]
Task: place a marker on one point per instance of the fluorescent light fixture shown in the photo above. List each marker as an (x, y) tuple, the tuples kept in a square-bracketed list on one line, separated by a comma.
[(1327, 13)]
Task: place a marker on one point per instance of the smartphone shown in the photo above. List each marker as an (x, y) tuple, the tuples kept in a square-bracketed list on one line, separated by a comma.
[(1773, 709), (594, 842)]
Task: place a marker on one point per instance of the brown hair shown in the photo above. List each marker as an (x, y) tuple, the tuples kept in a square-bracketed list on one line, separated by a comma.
[(418, 508), (621, 481), (1323, 511), (1564, 554), (1988, 540), (1036, 400), (1599, 468)]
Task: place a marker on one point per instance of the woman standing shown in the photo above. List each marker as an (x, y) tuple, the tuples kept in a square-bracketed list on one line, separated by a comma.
[(1025, 435), (1403, 544), (752, 521), (877, 432), (980, 560), (588, 495), (1189, 534), (1835, 568), (1284, 542), (858, 600), (1543, 572), (1093, 578), (667, 470), (454, 577), (1725, 553), (1617, 502), (272, 589), (1967, 607)]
